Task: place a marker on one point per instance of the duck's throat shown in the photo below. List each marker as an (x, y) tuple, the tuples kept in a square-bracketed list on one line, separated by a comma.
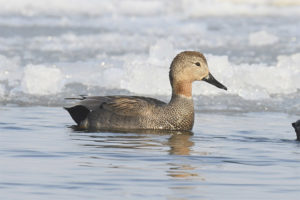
[(183, 88)]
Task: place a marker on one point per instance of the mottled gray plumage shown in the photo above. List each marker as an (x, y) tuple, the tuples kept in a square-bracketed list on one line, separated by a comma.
[(135, 112)]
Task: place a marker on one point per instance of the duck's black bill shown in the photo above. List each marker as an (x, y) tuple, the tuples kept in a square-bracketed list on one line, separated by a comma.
[(210, 79)]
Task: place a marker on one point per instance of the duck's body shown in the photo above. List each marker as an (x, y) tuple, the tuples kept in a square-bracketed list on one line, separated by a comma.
[(133, 112)]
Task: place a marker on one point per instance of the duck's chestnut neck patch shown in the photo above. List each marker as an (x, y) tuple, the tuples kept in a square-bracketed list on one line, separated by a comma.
[(183, 88)]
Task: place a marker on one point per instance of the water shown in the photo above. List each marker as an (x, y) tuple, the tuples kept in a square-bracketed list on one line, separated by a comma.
[(242, 146), (249, 156)]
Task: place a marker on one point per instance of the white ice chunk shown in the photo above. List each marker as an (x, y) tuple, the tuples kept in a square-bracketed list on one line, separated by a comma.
[(255, 81), (262, 38), (41, 80)]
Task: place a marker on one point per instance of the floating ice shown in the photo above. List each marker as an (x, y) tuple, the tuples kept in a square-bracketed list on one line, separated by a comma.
[(2, 92), (108, 47), (41, 80), (10, 71), (262, 38), (256, 81), (194, 8), (148, 75)]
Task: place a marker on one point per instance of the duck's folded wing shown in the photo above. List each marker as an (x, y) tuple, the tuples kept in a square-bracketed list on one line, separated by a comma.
[(130, 105), (119, 105)]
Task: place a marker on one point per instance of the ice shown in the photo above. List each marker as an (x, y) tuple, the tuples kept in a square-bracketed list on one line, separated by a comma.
[(161, 52), (41, 80), (262, 38), (195, 8), (10, 70), (55, 7), (148, 75), (2, 92), (190, 8), (61, 48), (153, 7), (257, 81)]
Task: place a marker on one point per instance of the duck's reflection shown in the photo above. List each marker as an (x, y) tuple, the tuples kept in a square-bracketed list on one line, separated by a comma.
[(179, 142), (179, 145)]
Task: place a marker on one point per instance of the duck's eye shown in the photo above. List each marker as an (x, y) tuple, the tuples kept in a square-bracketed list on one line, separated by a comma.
[(197, 63)]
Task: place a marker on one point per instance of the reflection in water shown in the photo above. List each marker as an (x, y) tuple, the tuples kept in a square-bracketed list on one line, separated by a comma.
[(181, 144), (181, 170), (137, 131), (178, 143)]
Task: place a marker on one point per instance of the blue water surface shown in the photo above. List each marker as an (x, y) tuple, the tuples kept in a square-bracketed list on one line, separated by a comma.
[(228, 156)]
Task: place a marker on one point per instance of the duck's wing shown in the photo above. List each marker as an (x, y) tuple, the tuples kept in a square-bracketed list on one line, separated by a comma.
[(119, 105), (130, 105)]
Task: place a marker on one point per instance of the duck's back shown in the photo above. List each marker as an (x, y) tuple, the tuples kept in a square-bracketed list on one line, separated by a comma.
[(116, 112)]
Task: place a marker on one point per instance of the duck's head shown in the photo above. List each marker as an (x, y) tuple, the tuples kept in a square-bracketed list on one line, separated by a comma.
[(190, 66)]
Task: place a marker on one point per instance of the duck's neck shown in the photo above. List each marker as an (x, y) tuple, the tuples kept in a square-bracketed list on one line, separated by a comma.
[(181, 107), (182, 88), (182, 92)]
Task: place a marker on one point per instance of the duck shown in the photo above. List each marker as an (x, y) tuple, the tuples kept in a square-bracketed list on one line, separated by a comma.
[(139, 112), (296, 126)]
